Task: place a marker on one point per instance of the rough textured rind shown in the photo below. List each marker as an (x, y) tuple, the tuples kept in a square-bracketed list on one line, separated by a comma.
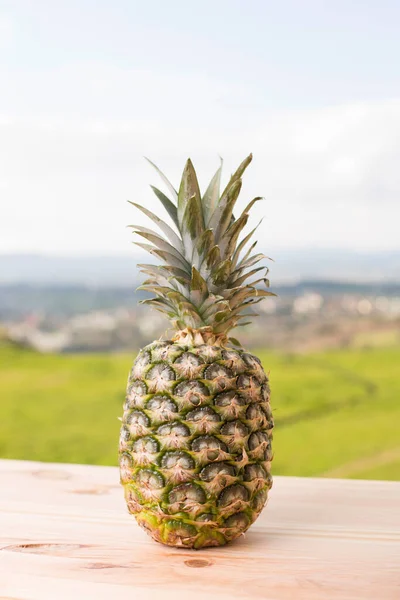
[(195, 443)]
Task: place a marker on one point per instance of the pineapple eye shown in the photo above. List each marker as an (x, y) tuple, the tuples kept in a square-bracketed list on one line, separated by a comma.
[(232, 494), (137, 417), (163, 351), (238, 521), (125, 461), (268, 415), (124, 434), (150, 479), (189, 359), (254, 472), (187, 493), (255, 412), (216, 370), (208, 442), (212, 471), (141, 363), (135, 393), (160, 377), (235, 428), (192, 391), (163, 406), (257, 439), (231, 355), (191, 388), (206, 517), (177, 429), (159, 346), (266, 392), (210, 353), (137, 388), (259, 500), (161, 371), (233, 360), (138, 422), (125, 465), (247, 381), (252, 362), (229, 398), (204, 413), (177, 459), (133, 500), (142, 359), (260, 444), (146, 445)]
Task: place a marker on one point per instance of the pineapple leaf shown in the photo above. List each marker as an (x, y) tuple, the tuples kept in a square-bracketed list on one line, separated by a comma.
[(160, 243), (167, 204), (165, 180), (163, 271), (207, 310), (222, 216), (192, 221), (206, 241), (213, 256), (198, 288), (244, 242), (211, 195), (238, 173), (251, 204), (247, 254), (189, 188), (167, 257), (239, 280), (249, 262), (166, 229), (159, 301), (204, 279), (228, 243), (198, 283), (222, 272), (160, 290)]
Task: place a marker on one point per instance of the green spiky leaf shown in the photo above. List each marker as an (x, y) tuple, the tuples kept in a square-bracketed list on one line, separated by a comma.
[(238, 173), (204, 279), (167, 204), (211, 195), (169, 185), (188, 189)]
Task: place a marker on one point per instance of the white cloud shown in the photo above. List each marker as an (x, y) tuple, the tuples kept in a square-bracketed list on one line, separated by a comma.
[(330, 175), (6, 30)]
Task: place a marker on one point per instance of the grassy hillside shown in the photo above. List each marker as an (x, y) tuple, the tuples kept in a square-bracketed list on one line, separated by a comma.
[(337, 414)]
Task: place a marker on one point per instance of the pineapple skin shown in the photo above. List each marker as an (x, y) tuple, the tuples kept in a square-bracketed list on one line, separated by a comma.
[(195, 443)]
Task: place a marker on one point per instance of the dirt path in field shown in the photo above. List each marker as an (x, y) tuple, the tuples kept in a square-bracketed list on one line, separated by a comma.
[(360, 464)]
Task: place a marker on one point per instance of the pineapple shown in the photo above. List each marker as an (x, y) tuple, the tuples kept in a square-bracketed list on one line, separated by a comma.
[(195, 443)]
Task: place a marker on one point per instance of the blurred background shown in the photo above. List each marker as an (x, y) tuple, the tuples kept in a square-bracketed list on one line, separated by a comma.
[(312, 89)]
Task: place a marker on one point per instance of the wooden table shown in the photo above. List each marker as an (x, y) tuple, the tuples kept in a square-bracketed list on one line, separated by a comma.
[(65, 533)]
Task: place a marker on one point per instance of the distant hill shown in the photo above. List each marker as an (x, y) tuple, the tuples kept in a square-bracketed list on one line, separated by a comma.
[(289, 266), (19, 299)]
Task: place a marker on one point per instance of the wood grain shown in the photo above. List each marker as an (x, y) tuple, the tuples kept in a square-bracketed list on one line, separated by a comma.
[(65, 534)]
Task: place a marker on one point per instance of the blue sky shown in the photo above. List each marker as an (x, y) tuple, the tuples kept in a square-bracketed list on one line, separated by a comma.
[(89, 87)]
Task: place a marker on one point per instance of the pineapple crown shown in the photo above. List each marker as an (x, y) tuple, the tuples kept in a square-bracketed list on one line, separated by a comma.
[(207, 280)]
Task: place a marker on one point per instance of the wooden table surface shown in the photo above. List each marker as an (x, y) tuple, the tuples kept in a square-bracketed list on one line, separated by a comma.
[(65, 533)]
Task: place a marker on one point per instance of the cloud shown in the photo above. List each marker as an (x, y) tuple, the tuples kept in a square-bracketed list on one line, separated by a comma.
[(330, 176), (6, 31)]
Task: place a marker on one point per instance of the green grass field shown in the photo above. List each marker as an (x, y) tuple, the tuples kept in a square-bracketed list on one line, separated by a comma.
[(337, 413)]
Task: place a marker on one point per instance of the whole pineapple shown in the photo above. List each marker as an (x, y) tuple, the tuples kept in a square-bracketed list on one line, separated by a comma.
[(195, 444)]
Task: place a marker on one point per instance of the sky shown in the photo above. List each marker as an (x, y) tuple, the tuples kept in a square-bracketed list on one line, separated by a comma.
[(89, 87)]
